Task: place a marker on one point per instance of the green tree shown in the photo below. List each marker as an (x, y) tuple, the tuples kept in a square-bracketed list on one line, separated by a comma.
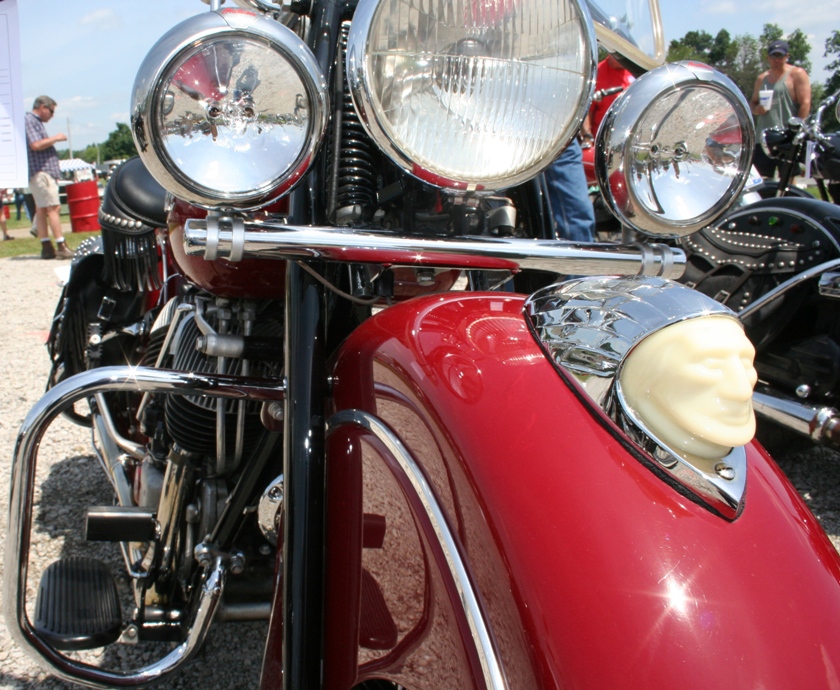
[(119, 144), (695, 45), (832, 84), (746, 64), (90, 153), (797, 42), (832, 49), (723, 51)]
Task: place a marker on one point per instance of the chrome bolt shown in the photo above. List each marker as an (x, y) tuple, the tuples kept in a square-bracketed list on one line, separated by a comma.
[(193, 513), (237, 564), (130, 635), (724, 471), (95, 339), (276, 411), (203, 554), (803, 391)]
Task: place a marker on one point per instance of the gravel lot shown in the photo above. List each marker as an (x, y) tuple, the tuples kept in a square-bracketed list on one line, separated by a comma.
[(29, 289)]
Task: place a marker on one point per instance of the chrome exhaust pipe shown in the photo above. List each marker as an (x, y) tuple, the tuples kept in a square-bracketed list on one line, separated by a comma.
[(24, 464), (819, 423)]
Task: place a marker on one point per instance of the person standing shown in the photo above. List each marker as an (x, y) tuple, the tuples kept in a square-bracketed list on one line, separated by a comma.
[(791, 97), (20, 202), (568, 194), (3, 226), (43, 177)]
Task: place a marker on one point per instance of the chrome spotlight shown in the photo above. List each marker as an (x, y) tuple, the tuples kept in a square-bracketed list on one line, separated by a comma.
[(674, 150), (228, 109)]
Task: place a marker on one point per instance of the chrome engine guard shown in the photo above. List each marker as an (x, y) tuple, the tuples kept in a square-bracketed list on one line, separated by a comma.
[(16, 562)]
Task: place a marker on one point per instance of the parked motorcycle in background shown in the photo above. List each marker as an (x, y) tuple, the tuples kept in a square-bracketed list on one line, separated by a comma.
[(306, 420), (776, 262), (803, 149)]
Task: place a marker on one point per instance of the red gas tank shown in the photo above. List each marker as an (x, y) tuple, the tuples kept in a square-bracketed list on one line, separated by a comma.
[(266, 279), (246, 279)]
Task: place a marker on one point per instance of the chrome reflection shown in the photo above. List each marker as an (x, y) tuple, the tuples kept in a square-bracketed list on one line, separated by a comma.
[(231, 98), (228, 109), (589, 326), (675, 149), (490, 664)]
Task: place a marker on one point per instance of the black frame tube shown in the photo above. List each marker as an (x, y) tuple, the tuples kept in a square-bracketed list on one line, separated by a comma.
[(304, 479)]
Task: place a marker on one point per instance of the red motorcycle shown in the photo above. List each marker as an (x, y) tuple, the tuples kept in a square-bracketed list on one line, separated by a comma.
[(310, 339)]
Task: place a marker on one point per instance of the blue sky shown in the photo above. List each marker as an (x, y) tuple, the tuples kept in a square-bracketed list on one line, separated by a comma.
[(85, 53)]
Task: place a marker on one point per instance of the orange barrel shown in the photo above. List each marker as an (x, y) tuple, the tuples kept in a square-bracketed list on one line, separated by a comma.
[(83, 202)]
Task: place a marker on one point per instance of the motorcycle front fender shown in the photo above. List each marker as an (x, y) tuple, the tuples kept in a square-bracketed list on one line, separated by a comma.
[(486, 529)]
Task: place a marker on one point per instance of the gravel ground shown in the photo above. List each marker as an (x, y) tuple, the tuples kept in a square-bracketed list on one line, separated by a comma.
[(29, 289)]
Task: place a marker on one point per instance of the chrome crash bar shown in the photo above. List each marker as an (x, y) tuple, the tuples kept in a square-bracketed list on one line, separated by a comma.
[(235, 239), (85, 385), (819, 423)]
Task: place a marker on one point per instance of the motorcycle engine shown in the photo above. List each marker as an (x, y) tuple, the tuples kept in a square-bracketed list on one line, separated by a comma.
[(225, 338)]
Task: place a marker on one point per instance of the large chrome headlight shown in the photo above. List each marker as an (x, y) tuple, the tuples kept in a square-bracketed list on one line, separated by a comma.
[(470, 93), (674, 150), (228, 109)]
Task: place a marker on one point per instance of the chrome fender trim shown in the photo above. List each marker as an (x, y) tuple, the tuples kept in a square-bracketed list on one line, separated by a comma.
[(490, 665)]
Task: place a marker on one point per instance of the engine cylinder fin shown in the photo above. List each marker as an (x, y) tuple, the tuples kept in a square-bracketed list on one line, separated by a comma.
[(191, 419)]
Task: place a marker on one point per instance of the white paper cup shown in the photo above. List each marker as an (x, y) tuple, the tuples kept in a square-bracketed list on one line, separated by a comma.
[(765, 98)]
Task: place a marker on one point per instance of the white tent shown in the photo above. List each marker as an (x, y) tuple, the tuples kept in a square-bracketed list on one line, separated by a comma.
[(73, 164)]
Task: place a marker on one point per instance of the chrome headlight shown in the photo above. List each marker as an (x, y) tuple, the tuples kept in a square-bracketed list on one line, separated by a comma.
[(228, 109), (675, 149), (478, 95)]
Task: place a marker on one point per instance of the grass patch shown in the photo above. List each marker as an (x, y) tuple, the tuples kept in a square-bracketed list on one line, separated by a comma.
[(25, 244)]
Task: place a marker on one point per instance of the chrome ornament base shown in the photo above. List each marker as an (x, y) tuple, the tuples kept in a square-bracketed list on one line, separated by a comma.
[(588, 327)]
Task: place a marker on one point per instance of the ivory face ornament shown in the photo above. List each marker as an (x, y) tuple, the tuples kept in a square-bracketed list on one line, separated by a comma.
[(691, 385)]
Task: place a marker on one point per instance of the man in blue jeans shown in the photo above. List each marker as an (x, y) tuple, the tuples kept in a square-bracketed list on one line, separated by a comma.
[(568, 193)]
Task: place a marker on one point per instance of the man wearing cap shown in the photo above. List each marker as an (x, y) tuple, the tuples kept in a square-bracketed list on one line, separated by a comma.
[(791, 97)]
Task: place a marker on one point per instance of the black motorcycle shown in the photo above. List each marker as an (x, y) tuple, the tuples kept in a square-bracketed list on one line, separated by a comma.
[(776, 262), (803, 149)]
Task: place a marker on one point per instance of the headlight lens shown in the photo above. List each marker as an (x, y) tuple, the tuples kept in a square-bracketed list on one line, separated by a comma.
[(675, 149), (228, 110), (471, 93)]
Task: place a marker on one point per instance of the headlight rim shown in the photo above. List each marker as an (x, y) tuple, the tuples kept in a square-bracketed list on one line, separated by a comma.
[(173, 50), (371, 118), (615, 137)]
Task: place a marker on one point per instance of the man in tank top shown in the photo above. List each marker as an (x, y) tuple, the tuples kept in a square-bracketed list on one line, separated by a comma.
[(791, 89)]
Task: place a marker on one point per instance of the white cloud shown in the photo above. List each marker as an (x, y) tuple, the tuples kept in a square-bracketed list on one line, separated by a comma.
[(78, 103), (723, 7), (104, 18)]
